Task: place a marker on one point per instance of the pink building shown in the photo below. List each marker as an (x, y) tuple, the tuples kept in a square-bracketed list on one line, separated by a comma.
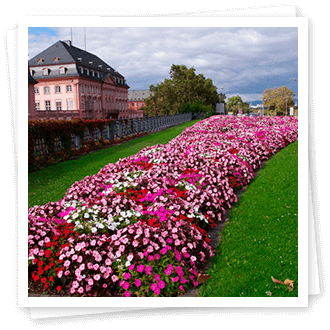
[(73, 83)]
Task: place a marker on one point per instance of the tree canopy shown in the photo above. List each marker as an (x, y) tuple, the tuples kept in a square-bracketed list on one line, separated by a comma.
[(183, 87), (279, 98), (235, 103)]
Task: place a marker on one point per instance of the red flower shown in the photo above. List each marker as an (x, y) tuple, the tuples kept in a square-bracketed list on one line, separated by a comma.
[(48, 253), (58, 288), (43, 280), (36, 278)]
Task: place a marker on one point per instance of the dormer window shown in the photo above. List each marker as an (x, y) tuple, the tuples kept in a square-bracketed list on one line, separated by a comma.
[(32, 72), (45, 72), (79, 59), (40, 60), (87, 71), (62, 70), (82, 70), (56, 58), (93, 73), (90, 62), (100, 66), (98, 74), (108, 69)]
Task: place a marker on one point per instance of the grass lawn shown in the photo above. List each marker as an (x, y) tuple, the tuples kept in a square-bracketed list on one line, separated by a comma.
[(260, 238), (51, 183)]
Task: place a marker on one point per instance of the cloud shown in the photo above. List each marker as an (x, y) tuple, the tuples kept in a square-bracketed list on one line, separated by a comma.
[(244, 60)]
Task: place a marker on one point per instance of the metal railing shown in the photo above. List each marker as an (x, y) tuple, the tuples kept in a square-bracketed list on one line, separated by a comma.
[(116, 130)]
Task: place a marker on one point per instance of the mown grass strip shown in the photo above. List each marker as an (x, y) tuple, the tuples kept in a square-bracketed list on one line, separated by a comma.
[(51, 183), (260, 238)]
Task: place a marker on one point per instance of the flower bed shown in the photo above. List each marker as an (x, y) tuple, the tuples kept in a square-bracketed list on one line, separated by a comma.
[(139, 226)]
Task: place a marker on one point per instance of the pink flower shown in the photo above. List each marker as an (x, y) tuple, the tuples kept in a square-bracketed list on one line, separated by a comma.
[(161, 284), (175, 279), (137, 282), (131, 267), (148, 270), (135, 243), (97, 277), (181, 288), (125, 285), (114, 278), (153, 286), (140, 268), (90, 281), (127, 294), (126, 276), (81, 290), (157, 277), (168, 271)]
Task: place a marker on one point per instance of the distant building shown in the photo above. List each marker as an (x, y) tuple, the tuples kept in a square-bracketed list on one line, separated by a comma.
[(73, 83), (136, 98)]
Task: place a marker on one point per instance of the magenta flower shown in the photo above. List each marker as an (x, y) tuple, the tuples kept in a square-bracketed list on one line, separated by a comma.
[(127, 294), (161, 284), (140, 268), (175, 279), (137, 282), (153, 286), (126, 276)]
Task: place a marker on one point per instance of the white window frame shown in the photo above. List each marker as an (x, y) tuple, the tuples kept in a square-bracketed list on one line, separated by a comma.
[(45, 72), (69, 88), (37, 106), (46, 106), (69, 101), (57, 89), (56, 102), (46, 90), (36, 90), (62, 70)]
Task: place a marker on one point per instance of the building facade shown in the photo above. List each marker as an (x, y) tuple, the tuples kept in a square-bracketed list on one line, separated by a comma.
[(73, 83), (136, 98)]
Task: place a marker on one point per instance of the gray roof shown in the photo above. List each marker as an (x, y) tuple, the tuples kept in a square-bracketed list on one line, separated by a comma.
[(31, 79), (63, 52), (139, 95)]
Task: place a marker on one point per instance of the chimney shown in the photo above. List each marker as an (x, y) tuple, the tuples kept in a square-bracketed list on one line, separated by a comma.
[(68, 42)]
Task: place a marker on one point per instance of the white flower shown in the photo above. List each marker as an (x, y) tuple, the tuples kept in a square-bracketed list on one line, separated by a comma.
[(127, 264), (94, 230), (86, 215), (75, 216)]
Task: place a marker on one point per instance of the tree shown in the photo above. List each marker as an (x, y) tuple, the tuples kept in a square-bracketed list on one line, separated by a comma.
[(278, 100), (235, 103), (183, 87)]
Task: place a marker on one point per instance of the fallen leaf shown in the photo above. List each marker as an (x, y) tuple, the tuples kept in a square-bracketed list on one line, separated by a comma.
[(202, 278), (276, 281), (289, 283), (268, 293)]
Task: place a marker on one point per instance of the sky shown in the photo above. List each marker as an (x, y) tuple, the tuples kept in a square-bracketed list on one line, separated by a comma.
[(240, 61)]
